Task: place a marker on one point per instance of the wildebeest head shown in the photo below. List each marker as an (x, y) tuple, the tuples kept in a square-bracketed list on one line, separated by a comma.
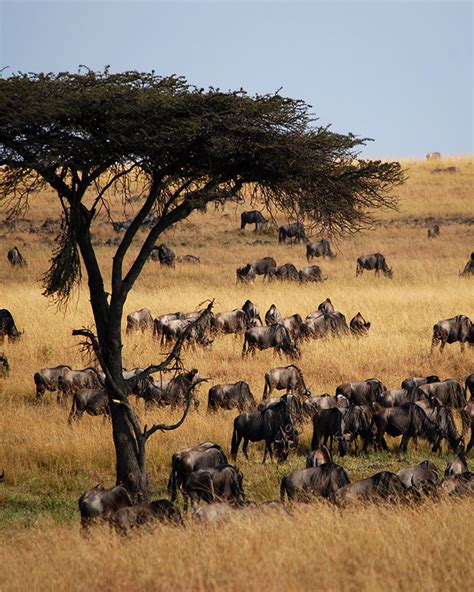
[(286, 439)]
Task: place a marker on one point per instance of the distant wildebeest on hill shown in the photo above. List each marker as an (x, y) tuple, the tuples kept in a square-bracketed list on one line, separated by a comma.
[(469, 267), (375, 261), (320, 248), (7, 327), (275, 336), (433, 231), (139, 320), (15, 258), (433, 156), (202, 456), (4, 366), (289, 378), (294, 231), (459, 328), (252, 217), (321, 481), (230, 396), (359, 326)]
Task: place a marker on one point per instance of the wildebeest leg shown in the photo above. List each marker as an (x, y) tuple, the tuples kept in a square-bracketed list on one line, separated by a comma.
[(268, 448), (244, 447), (404, 443), (442, 346), (415, 442)]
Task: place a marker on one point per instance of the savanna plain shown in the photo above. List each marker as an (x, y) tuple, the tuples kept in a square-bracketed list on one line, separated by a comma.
[(48, 464)]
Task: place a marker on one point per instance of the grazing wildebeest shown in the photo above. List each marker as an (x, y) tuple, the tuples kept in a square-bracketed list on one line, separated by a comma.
[(163, 320), (322, 481), (289, 378), (327, 424), (450, 392), (99, 503), (424, 473), (139, 320), (397, 397), (433, 231), (459, 328), (92, 401), (433, 156), (383, 486), (175, 392), (311, 274), (469, 267), (174, 330), (4, 366), (293, 324), (320, 248), (275, 336), (131, 517), (46, 379), (252, 217), (364, 392), (8, 327), (359, 326), (375, 261), (318, 457), (15, 258), (415, 381), (326, 306), (458, 484), (263, 266), (294, 231), (409, 421), (251, 311), (458, 465), (313, 405), (443, 418), (355, 422), (235, 321), (164, 254), (191, 259), (202, 456), (469, 384), (223, 483), (287, 271), (245, 274), (273, 424), (317, 327), (229, 396), (272, 316), (339, 323), (70, 381)]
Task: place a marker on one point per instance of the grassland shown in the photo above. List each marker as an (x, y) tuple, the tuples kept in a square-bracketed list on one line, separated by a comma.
[(48, 464)]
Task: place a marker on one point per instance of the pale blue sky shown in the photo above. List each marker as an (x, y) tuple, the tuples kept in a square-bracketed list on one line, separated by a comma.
[(399, 72)]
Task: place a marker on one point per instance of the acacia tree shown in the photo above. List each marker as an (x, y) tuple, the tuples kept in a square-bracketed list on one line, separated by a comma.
[(89, 135)]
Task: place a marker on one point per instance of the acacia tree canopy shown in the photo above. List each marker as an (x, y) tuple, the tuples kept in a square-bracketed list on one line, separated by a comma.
[(94, 133)]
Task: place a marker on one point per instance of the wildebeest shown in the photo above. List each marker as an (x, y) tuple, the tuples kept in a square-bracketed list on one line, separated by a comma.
[(229, 396), (459, 328), (449, 392), (245, 273), (455, 485), (327, 424), (164, 254), (364, 392), (409, 421), (174, 330), (139, 320), (326, 306), (433, 156), (46, 379), (272, 316), (355, 423), (311, 274), (273, 424), (8, 327), (375, 261), (132, 517), (251, 311), (415, 381), (383, 486), (313, 405), (275, 336), (318, 326), (442, 416), (4, 366), (223, 483), (397, 397), (92, 401), (202, 456), (294, 231), (252, 217), (163, 320), (287, 272), (359, 326), (320, 248), (433, 231), (469, 384), (15, 258), (419, 475), (191, 259), (174, 392), (458, 465), (293, 324), (100, 504), (469, 267), (318, 457), (289, 378), (235, 321), (70, 381), (322, 481), (263, 266)]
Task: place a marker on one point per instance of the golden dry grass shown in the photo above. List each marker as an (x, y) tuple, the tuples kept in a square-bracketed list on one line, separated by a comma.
[(48, 464)]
